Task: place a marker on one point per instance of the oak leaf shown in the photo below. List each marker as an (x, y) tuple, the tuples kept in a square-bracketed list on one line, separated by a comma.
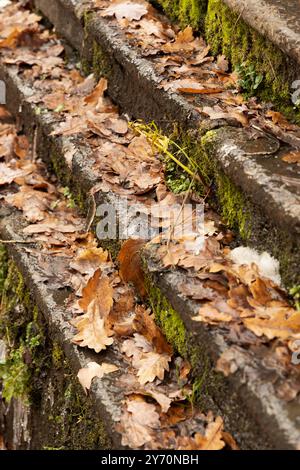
[(98, 292), (92, 331), (126, 9), (138, 421), (151, 366), (144, 324), (281, 322), (89, 260), (212, 440), (92, 369), (131, 264)]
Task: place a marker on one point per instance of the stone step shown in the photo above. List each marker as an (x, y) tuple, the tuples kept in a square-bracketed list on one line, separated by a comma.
[(55, 413), (264, 33), (245, 176), (248, 398)]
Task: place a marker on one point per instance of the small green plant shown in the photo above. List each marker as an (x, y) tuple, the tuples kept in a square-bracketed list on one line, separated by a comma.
[(15, 372), (295, 293), (176, 158), (249, 80), (69, 196)]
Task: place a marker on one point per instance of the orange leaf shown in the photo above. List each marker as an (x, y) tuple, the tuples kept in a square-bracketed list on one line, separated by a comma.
[(99, 291), (131, 265), (200, 91)]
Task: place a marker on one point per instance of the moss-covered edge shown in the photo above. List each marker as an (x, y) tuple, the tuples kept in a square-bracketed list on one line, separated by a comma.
[(272, 72), (188, 12), (206, 381), (37, 372)]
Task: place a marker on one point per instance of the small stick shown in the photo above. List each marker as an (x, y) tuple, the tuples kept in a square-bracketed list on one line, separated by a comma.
[(17, 241)]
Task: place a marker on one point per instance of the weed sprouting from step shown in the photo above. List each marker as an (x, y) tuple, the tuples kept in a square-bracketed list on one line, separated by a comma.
[(295, 293), (249, 79), (175, 156)]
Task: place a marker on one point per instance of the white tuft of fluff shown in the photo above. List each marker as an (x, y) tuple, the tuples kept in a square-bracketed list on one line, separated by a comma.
[(267, 265)]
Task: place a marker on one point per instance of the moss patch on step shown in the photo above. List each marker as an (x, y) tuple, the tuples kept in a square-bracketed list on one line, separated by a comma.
[(188, 12), (231, 203), (228, 34), (265, 71), (206, 382), (21, 327), (94, 58)]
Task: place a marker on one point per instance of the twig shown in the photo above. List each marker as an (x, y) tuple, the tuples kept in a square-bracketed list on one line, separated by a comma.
[(34, 145), (25, 242), (171, 233)]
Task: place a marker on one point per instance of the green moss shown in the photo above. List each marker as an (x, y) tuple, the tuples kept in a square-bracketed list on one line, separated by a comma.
[(37, 372), (20, 326), (57, 355), (169, 320), (233, 206), (3, 267), (71, 420), (228, 34), (205, 380), (101, 62), (295, 293), (16, 373), (188, 12), (60, 169), (95, 59)]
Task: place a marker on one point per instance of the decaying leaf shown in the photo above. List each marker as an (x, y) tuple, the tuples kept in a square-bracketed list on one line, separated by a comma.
[(138, 422), (131, 264), (151, 366), (97, 295), (126, 9), (277, 322), (292, 157), (145, 325), (92, 369), (92, 331), (89, 260), (212, 440)]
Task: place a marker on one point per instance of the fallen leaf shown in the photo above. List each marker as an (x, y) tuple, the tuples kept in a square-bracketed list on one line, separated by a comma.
[(145, 325), (97, 94), (92, 331), (212, 440), (151, 366), (278, 322), (200, 91), (292, 157), (89, 260), (131, 265), (137, 423), (210, 314), (126, 9), (92, 369), (8, 175), (98, 292)]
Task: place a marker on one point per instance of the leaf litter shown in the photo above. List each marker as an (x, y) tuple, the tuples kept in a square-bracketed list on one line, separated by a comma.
[(104, 305)]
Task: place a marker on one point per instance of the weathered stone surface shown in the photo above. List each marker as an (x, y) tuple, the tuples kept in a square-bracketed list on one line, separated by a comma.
[(30, 426), (251, 387), (278, 20)]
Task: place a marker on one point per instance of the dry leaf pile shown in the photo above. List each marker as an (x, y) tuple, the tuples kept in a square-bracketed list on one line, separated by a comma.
[(103, 307), (105, 312), (184, 63)]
